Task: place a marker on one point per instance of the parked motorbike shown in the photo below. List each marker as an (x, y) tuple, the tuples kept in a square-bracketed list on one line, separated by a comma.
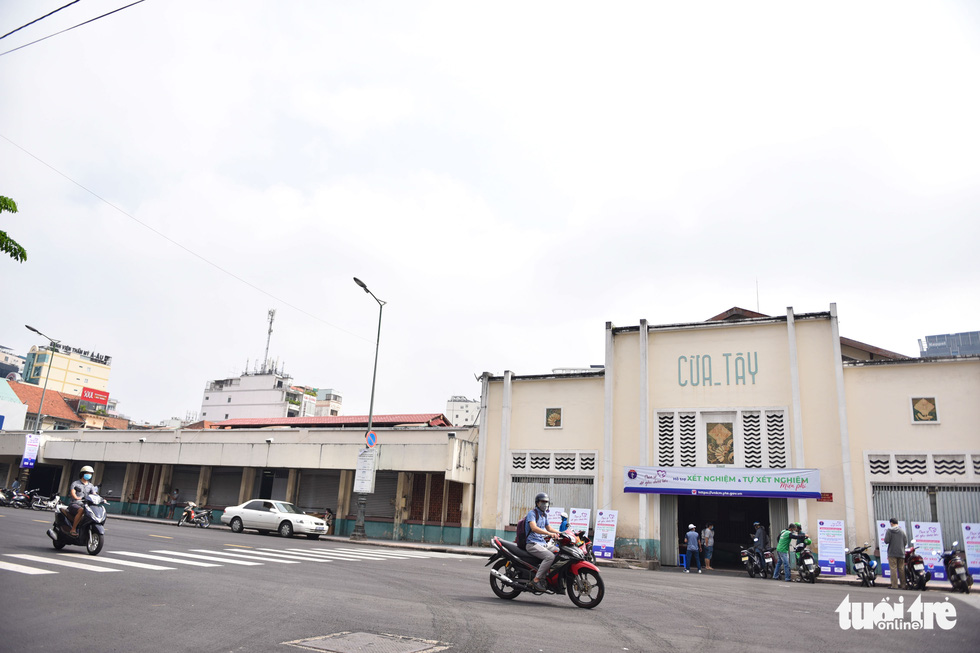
[(91, 527), (865, 568), (39, 502), (916, 575), (755, 562), (21, 500), (6, 494), (769, 556), (194, 515), (513, 573), (806, 566), (956, 570)]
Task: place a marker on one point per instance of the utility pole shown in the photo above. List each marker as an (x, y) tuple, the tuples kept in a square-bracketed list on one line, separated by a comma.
[(265, 359)]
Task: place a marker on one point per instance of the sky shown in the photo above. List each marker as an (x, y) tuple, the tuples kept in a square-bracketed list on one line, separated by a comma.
[(507, 177)]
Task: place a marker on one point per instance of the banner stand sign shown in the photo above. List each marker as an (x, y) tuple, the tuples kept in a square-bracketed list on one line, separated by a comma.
[(883, 548), (723, 482), (971, 546), (604, 542), (830, 547), (32, 444), (929, 539), (554, 517), (579, 519)]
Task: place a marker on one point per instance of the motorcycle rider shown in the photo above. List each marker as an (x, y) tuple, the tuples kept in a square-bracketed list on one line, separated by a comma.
[(538, 529), (761, 541), (79, 489)]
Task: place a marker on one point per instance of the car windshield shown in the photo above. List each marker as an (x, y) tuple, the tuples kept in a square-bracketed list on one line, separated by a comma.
[(288, 507)]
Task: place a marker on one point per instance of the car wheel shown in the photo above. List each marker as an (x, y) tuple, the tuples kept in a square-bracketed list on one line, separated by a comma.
[(312, 536), (286, 529), (237, 526)]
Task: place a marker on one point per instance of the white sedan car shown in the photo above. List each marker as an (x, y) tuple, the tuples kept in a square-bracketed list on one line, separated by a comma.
[(267, 515)]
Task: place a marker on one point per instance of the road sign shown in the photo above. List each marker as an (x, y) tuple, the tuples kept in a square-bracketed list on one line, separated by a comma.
[(364, 476), (371, 439)]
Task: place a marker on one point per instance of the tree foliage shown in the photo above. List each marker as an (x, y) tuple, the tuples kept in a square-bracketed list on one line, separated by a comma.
[(7, 244)]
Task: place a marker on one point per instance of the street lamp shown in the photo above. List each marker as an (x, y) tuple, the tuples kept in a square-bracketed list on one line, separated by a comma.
[(359, 533), (37, 423)]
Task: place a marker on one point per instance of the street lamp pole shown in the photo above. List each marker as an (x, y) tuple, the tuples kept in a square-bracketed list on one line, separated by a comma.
[(40, 407), (359, 533)]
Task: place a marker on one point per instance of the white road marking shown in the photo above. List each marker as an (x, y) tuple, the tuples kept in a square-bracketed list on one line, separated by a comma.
[(254, 556), (164, 559), (326, 556), (123, 563), (211, 558), (21, 569), (292, 556), (358, 556), (63, 563)]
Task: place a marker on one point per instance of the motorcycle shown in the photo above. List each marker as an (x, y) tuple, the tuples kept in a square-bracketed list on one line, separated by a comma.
[(21, 500), (916, 575), (44, 503), (865, 568), (91, 527), (513, 573), (194, 515), (5, 496), (956, 570), (769, 555), (755, 563), (806, 566)]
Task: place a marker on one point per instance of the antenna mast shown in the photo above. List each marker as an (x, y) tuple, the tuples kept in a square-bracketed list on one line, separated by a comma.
[(265, 360)]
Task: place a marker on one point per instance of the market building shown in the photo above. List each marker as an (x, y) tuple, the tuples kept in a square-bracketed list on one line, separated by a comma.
[(424, 471), (682, 418)]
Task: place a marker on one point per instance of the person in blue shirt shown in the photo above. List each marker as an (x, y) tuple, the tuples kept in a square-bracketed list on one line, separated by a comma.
[(693, 548), (538, 529)]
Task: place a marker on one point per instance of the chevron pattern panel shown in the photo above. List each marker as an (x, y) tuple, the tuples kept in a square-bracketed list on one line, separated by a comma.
[(949, 465), (665, 439), (880, 464), (776, 438), (976, 465), (564, 463), (911, 464), (752, 439), (688, 440)]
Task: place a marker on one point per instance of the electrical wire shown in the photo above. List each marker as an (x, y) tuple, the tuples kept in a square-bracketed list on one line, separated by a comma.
[(183, 247), (92, 20), (38, 19)]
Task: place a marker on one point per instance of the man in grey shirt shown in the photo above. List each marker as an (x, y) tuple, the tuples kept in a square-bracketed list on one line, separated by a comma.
[(708, 541), (896, 540)]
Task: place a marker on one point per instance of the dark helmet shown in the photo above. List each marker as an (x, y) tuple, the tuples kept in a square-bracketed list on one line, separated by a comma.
[(542, 496)]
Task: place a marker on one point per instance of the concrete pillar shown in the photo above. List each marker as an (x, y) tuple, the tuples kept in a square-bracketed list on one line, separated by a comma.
[(129, 481), (466, 515), (292, 486), (401, 503), (203, 485), (66, 478), (248, 484), (346, 486)]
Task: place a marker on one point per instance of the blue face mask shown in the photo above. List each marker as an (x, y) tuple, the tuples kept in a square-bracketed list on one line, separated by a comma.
[(87, 477)]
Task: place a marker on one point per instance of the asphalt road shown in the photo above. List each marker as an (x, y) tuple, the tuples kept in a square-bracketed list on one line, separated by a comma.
[(445, 598)]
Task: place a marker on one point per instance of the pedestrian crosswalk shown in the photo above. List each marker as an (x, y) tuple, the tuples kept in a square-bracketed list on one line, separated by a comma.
[(173, 559)]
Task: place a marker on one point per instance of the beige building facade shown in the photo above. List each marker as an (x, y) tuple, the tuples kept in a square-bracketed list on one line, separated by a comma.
[(885, 435)]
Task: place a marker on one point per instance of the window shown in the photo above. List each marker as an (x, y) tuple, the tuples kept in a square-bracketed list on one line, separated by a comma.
[(207, 398), (229, 400), (204, 414), (226, 415)]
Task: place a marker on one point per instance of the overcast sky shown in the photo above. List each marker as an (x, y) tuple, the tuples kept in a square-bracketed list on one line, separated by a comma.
[(507, 176)]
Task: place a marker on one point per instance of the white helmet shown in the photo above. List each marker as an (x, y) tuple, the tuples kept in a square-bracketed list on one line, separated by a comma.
[(87, 469)]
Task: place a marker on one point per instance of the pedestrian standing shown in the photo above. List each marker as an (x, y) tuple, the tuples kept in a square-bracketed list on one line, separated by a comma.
[(896, 540), (173, 502), (693, 548), (708, 542)]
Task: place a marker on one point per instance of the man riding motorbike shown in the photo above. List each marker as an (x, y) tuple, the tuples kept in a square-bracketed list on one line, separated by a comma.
[(79, 489), (538, 529)]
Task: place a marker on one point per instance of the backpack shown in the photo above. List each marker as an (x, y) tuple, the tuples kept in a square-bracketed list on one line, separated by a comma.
[(522, 532)]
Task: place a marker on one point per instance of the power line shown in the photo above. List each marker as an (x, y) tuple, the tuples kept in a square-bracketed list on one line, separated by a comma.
[(72, 27), (183, 247), (37, 19)]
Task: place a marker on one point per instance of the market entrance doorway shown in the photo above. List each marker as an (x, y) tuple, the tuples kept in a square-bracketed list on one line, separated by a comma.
[(732, 517)]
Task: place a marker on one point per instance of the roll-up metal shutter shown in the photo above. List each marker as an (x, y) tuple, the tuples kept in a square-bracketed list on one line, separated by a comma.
[(956, 505), (226, 483), (185, 479), (669, 536), (4, 470), (778, 519), (319, 489), (565, 492), (380, 504), (906, 503), (113, 475)]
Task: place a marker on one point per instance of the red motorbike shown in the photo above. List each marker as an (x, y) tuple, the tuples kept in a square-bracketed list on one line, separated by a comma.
[(514, 569), (916, 575)]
